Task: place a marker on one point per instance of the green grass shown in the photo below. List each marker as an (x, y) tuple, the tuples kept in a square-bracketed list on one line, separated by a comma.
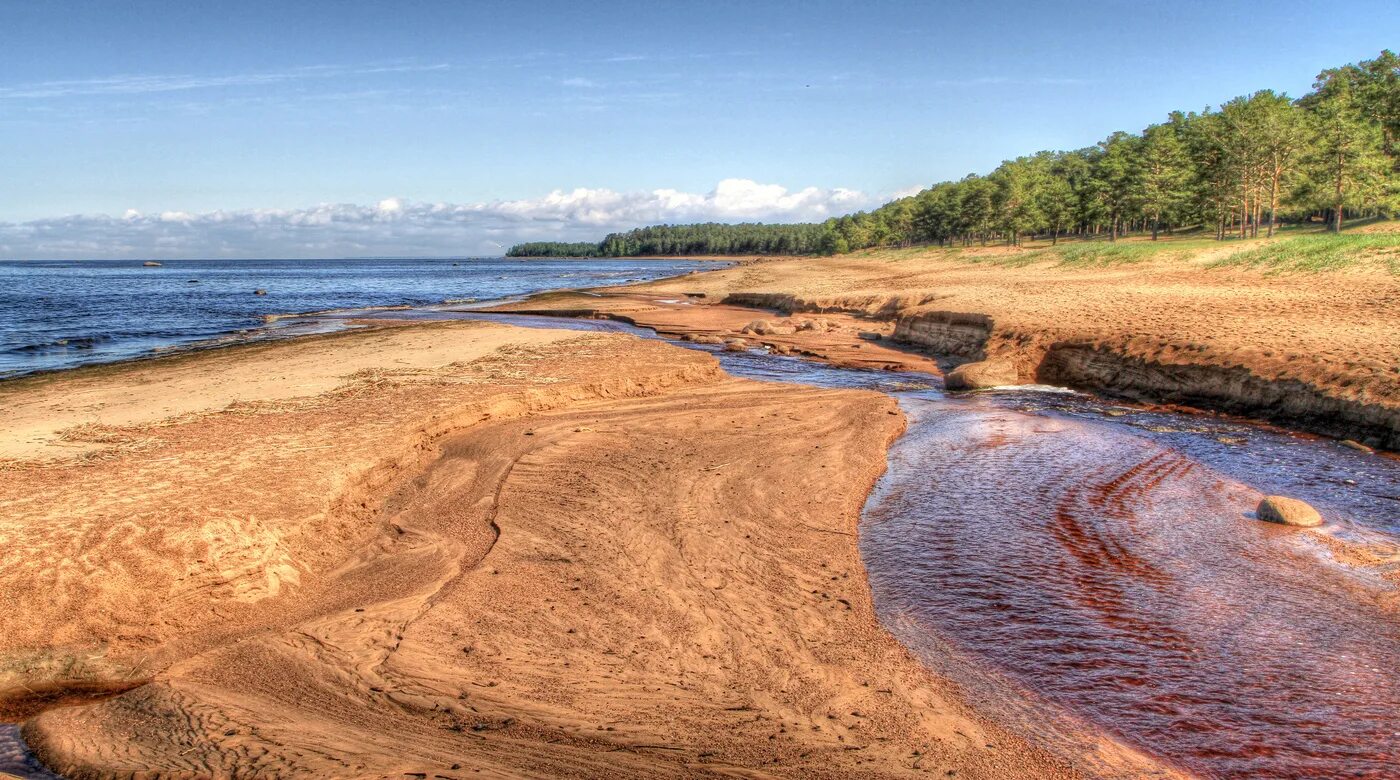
[(1296, 248), (1087, 254), (1317, 253), (1101, 253)]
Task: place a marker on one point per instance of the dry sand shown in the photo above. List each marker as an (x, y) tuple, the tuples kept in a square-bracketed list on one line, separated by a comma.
[(460, 549), (1305, 325)]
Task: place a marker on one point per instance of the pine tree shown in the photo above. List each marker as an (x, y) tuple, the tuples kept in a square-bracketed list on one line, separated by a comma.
[(1346, 161), (1164, 174)]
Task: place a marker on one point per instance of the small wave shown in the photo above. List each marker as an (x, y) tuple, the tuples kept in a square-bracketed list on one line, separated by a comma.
[(76, 342), (271, 318)]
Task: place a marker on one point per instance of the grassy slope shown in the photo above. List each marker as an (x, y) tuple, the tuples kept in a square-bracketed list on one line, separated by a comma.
[(1294, 249)]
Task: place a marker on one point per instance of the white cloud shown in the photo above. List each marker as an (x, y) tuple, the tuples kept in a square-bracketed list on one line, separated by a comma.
[(140, 84), (398, 227)]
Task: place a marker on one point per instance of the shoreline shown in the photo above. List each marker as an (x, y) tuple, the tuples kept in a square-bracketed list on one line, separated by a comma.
[(269, 326), (671, 437), (1116, 365)]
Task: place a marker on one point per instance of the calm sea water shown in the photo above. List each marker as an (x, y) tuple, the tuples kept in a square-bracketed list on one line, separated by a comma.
[(59, 314)]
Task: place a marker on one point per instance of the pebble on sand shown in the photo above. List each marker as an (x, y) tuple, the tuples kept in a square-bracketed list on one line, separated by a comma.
[(1288, 511)]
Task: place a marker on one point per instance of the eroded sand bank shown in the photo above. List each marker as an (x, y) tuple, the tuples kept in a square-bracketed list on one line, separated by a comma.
[(455, 549), (1318, 351)]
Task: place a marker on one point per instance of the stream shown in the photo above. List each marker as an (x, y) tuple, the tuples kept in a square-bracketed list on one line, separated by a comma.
[(1076, 565), (1068, 560)]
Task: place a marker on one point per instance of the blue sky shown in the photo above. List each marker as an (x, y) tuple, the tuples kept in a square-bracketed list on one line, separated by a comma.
[(447, 128)]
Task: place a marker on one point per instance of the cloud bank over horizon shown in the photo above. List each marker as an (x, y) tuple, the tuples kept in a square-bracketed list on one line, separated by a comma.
[(402, 228)]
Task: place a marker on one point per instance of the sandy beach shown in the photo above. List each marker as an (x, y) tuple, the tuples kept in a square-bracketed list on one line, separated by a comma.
[(460, 548), (435, 390), (449, 549)]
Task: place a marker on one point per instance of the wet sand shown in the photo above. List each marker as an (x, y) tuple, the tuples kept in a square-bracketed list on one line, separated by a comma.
[(838, 338), (453, 549)]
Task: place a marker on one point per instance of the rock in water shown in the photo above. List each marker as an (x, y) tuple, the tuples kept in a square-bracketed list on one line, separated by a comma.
[(1356, 445), (767, 328), (1288, 511), (260, 292), (976, 376)]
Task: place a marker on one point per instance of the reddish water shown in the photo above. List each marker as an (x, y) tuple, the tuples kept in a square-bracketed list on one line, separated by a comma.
[(1073, 563), (15, 758), (1114, 571)]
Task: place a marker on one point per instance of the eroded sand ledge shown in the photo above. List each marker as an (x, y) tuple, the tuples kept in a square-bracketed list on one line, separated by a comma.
[(1316, 351), (462, 547)]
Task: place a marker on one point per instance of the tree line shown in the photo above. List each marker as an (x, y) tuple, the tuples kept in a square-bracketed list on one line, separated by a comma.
[(710, 238), (555, 249), (1244, 168)]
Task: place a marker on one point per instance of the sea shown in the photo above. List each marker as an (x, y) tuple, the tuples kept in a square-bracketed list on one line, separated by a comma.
[(61, 314)]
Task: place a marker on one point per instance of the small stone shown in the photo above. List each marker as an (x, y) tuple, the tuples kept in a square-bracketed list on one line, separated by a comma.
[(1288, 511), (768, 328), (260, 291), (870, 335), (980, 375)]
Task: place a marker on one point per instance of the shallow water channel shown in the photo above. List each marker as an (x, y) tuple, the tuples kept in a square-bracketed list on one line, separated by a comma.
[(1070, 560), (1080, 566)]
